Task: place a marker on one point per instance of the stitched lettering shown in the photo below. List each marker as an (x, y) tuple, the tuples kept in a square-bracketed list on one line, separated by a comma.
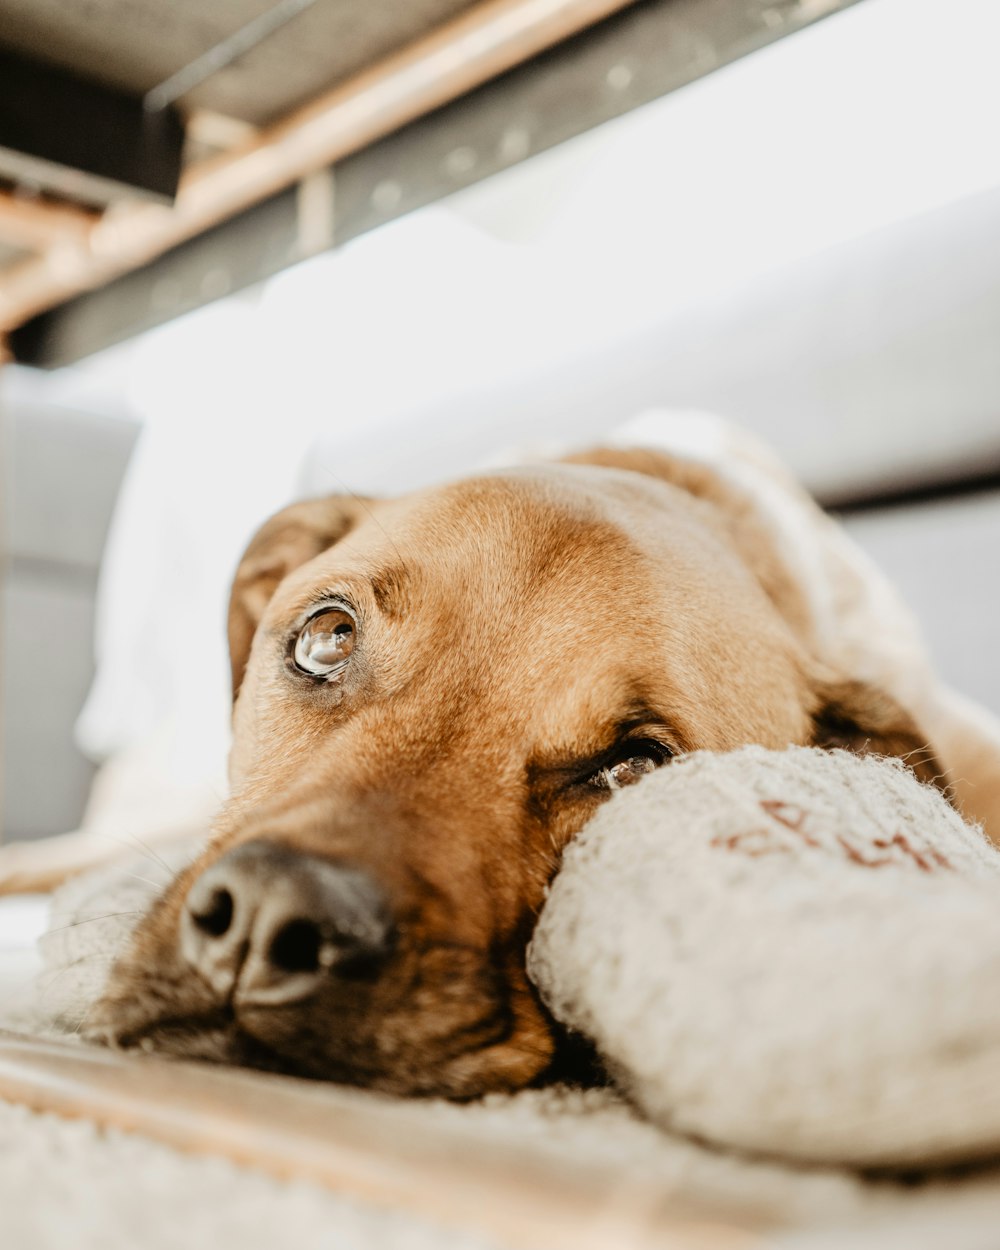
[(927, 860), (791, 816), (766, 840), (752, 842)]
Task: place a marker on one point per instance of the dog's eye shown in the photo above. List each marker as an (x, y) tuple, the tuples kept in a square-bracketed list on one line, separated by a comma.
[(642, 758), (325, 643)]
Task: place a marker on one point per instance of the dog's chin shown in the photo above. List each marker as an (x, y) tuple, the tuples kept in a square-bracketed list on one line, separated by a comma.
[(501, 1046), (502, 1067)]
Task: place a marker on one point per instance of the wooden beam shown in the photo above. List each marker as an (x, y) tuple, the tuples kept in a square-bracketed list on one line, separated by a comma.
[(372, 1149), (216, 130), (650, 48), (484, 42), (35, 225)]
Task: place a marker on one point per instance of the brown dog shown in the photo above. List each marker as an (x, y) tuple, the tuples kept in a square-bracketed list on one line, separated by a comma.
[(432, 696)]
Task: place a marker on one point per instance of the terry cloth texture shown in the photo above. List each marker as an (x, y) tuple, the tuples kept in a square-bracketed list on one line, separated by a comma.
[(793, 953), (71, 1184)]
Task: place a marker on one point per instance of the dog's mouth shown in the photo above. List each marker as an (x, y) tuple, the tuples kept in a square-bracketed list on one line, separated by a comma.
[(443, 1020), (266, 956)]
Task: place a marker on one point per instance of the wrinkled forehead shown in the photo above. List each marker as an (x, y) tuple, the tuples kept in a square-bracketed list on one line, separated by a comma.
[(550, 583), (558, 531), (554, 595)]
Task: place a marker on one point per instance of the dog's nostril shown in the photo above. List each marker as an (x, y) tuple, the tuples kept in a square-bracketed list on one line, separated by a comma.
[(264, 925), (215, 917), (295, 947)]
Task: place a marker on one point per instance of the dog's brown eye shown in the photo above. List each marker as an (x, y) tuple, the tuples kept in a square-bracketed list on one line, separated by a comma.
[(632, 768), (325, 644)]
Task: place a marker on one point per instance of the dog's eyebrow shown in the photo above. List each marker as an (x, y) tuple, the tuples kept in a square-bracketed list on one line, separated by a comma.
[(639, 713), (389, 586), (573, 764)]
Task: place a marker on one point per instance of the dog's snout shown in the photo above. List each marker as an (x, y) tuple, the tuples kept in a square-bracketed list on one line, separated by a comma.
[(265, 925)]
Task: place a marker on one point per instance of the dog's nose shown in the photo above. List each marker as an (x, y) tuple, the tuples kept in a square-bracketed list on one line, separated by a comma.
[(266, 925)]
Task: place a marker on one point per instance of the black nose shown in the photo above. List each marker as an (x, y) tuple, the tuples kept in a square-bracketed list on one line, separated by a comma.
[(266, 925)]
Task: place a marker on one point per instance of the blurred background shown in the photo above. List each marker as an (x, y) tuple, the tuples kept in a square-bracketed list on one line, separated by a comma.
[(706, 204)]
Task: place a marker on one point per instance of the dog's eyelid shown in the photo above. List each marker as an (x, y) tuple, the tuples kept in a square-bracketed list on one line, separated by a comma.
[(328, 601), (633, 736), (642, 728), (649, 734), (649, 741), (317, 605)]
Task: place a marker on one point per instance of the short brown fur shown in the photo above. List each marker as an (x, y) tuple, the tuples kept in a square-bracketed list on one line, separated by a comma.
[(511, 628)]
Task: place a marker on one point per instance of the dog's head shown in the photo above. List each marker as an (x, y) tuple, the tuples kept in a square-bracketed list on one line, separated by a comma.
[(431, 697)]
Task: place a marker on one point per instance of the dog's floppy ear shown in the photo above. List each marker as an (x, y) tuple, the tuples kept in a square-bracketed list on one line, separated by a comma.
[(290, 538), (858, 716)]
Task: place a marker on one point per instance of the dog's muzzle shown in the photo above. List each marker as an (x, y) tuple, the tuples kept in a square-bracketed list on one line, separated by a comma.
[(265, 925)]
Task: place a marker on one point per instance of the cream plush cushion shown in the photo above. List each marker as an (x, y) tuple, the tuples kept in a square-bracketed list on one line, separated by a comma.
[(795, 953)]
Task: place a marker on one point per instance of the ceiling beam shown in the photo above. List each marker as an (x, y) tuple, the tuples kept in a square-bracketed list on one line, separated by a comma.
[(647, 50), (34, 224), (484, 42)]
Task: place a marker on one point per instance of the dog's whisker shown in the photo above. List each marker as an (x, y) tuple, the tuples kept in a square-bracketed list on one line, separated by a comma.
[(131, 842), (153, 855), (157, 885), (109, 915), (44, 979), (364, 505), (57, 974), (83, 1018), (75, 963), (75, 1031), (34, 981)]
